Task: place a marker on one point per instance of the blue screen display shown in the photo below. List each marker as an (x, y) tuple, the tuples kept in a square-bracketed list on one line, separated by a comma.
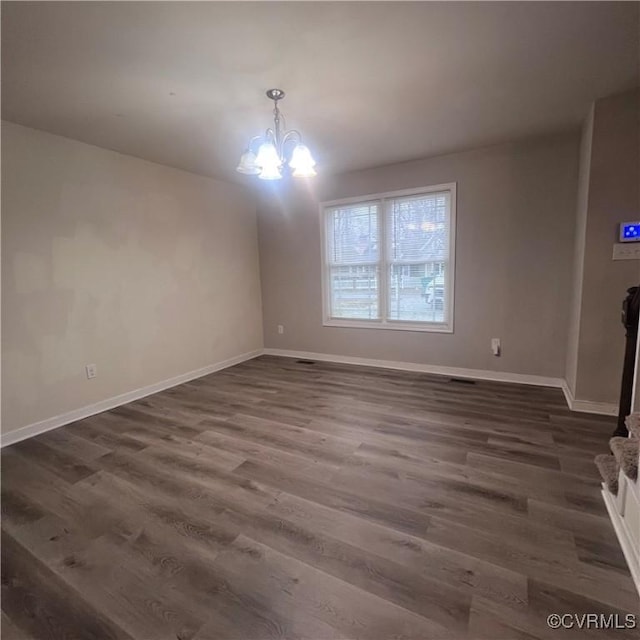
[(629, 231)]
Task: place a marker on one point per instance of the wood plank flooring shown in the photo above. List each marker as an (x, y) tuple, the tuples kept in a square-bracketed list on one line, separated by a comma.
[(281, 499)]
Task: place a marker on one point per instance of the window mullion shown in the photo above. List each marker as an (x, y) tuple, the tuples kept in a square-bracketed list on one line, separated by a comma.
[(383, 222)]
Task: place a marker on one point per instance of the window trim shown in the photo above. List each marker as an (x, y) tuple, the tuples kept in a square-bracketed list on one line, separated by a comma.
[(382, 322)]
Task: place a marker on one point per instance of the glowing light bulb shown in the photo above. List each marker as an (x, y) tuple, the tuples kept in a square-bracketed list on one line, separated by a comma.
[(302, 162), (247, 164)]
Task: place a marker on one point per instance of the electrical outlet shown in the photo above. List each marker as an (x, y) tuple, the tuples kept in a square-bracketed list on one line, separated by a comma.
[(495, 346), (92, 371), (280, 329)]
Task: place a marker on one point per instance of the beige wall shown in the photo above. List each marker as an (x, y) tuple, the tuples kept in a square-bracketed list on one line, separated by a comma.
[(613, 197), (584, 171), (515, 234), (146, 271)]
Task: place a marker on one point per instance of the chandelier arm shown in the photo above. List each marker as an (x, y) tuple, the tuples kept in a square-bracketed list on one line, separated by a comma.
[(252, 141), (291, 136), (273, 136), (291, 133)]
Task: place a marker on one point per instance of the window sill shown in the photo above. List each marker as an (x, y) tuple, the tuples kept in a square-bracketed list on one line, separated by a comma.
[(427, 327)]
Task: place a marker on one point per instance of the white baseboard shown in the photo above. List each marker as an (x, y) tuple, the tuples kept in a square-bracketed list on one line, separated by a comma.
[(104, 405), (586, 406), (456, 372), (629, 549), (36, 428)]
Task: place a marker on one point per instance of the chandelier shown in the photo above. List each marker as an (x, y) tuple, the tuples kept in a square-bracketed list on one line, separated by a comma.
[(267, 156)]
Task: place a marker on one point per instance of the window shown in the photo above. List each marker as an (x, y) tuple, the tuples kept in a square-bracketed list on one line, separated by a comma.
[(388, 260)]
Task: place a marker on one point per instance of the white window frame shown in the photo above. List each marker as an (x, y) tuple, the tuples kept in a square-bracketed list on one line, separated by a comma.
[(384, 262)]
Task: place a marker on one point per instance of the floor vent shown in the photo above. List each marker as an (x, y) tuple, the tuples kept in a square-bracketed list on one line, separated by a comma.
[(462, 381), (305, 361)]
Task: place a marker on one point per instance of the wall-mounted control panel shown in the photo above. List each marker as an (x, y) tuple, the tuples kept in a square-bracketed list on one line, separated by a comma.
[(629, 232)]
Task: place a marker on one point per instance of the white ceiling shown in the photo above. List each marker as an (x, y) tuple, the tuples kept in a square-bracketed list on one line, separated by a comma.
[(368, 83)]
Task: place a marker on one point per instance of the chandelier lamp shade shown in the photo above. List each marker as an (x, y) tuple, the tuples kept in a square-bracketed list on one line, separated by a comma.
[(269, 156)]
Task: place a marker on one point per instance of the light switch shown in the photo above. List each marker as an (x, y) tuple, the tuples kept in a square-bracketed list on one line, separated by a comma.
[(626, 251)]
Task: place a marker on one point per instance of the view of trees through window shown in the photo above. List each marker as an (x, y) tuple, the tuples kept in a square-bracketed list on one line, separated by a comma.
[(389, 258)]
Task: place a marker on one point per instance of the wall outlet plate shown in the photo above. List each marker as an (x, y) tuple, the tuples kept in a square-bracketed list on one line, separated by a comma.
[(626, 251), (92, 371)]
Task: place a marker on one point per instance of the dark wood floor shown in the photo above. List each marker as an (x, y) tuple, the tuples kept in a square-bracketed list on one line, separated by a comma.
[(279, 499)]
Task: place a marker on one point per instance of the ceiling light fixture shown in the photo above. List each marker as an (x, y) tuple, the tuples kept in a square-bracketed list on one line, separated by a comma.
[(266, 156)]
